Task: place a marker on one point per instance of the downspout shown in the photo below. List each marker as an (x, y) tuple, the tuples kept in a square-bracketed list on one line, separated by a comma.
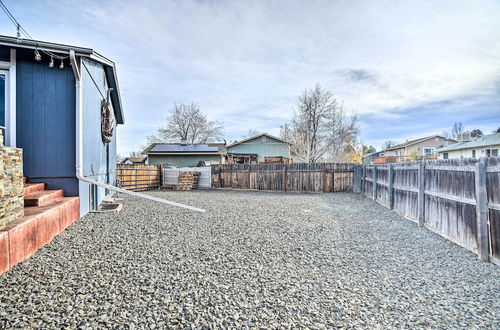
[(79, 146)]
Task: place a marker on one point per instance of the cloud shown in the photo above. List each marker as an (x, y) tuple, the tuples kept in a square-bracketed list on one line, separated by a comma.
[(245, 62), (359, 75)]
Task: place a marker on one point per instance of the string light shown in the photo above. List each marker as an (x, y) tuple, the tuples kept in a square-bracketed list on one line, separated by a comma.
[(38, 57), (21, 31), (62, 65)]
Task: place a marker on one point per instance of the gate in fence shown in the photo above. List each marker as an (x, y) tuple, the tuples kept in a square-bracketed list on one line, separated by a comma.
[(171, 175), (458, 199)]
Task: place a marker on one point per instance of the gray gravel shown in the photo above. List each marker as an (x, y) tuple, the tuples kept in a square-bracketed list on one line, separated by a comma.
[(254, 260)]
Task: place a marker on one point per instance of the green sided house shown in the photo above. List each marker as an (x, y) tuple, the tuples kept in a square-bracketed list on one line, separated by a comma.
[(185, 155), (261, 148)]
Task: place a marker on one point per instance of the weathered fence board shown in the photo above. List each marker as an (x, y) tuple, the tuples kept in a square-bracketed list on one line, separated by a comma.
[(297, 177), (458, 199), (138, 177), (493, 198), (405, 182)]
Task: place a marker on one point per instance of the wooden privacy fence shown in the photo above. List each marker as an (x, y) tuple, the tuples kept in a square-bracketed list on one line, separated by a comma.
[(138, 177), (458, 199), (298, 177)]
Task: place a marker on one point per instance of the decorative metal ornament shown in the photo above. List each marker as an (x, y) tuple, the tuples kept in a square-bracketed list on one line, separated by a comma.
[(38, 57)]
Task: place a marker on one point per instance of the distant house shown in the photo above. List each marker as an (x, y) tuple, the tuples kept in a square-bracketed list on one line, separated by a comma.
[(257, 148), (134, 160), (422, 148), (370, 158), (185, 155), (484, 146)]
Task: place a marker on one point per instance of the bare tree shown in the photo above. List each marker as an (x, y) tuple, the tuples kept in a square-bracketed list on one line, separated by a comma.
[(457, 129), (250, 133), (476, 133), (187, 123), (319, 129), (389, 143), (445, 134), (135, 154)]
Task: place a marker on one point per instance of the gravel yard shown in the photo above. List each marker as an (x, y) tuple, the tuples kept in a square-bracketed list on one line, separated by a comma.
[(255, 259)]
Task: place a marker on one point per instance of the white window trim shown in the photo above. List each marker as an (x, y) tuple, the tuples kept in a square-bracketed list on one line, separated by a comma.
[(10, 99), (431, 148)]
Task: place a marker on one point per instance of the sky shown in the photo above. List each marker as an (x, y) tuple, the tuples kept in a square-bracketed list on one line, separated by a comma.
[(407, 69)]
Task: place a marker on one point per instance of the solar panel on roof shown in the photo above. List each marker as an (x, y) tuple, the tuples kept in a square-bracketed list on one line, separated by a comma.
[(183, 148)]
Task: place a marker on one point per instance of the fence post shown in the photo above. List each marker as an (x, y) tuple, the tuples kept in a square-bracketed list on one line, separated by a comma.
[(323, 179), (374, 182), (391, 186), (481, 210), (360, 178), (363, 181), (249, 175), (421, 192), (355, 178), (283, 178), (160, 177)]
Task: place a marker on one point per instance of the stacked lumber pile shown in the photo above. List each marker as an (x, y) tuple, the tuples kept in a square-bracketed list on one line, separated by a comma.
[(188, 180)]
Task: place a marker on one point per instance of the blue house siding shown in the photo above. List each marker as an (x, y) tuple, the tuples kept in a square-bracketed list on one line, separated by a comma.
[(268, 148), (94, 150), (46, 127), (4, 53), (45, 114)]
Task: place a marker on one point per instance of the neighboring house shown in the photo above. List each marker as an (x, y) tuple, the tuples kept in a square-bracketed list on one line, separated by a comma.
[(134, 160), (484, 146), (39, 112), (256, 148), (185, 155), (370, 158), (423, 148)]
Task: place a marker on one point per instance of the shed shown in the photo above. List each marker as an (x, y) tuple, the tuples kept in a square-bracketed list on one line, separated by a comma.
[(262, 145), (38, 111), (185, 155)]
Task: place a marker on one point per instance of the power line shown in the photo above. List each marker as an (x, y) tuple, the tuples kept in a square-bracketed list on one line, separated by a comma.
[(22, 30), (37, 55)]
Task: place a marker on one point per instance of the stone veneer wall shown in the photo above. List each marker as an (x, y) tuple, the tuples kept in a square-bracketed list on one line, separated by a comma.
[(11, 184)]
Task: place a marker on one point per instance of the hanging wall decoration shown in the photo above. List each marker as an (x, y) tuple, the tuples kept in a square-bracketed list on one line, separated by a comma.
[(107, 121)]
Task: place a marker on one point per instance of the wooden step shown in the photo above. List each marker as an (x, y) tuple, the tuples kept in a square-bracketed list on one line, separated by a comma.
[(44, 197), (21, 238), (30, 188)]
